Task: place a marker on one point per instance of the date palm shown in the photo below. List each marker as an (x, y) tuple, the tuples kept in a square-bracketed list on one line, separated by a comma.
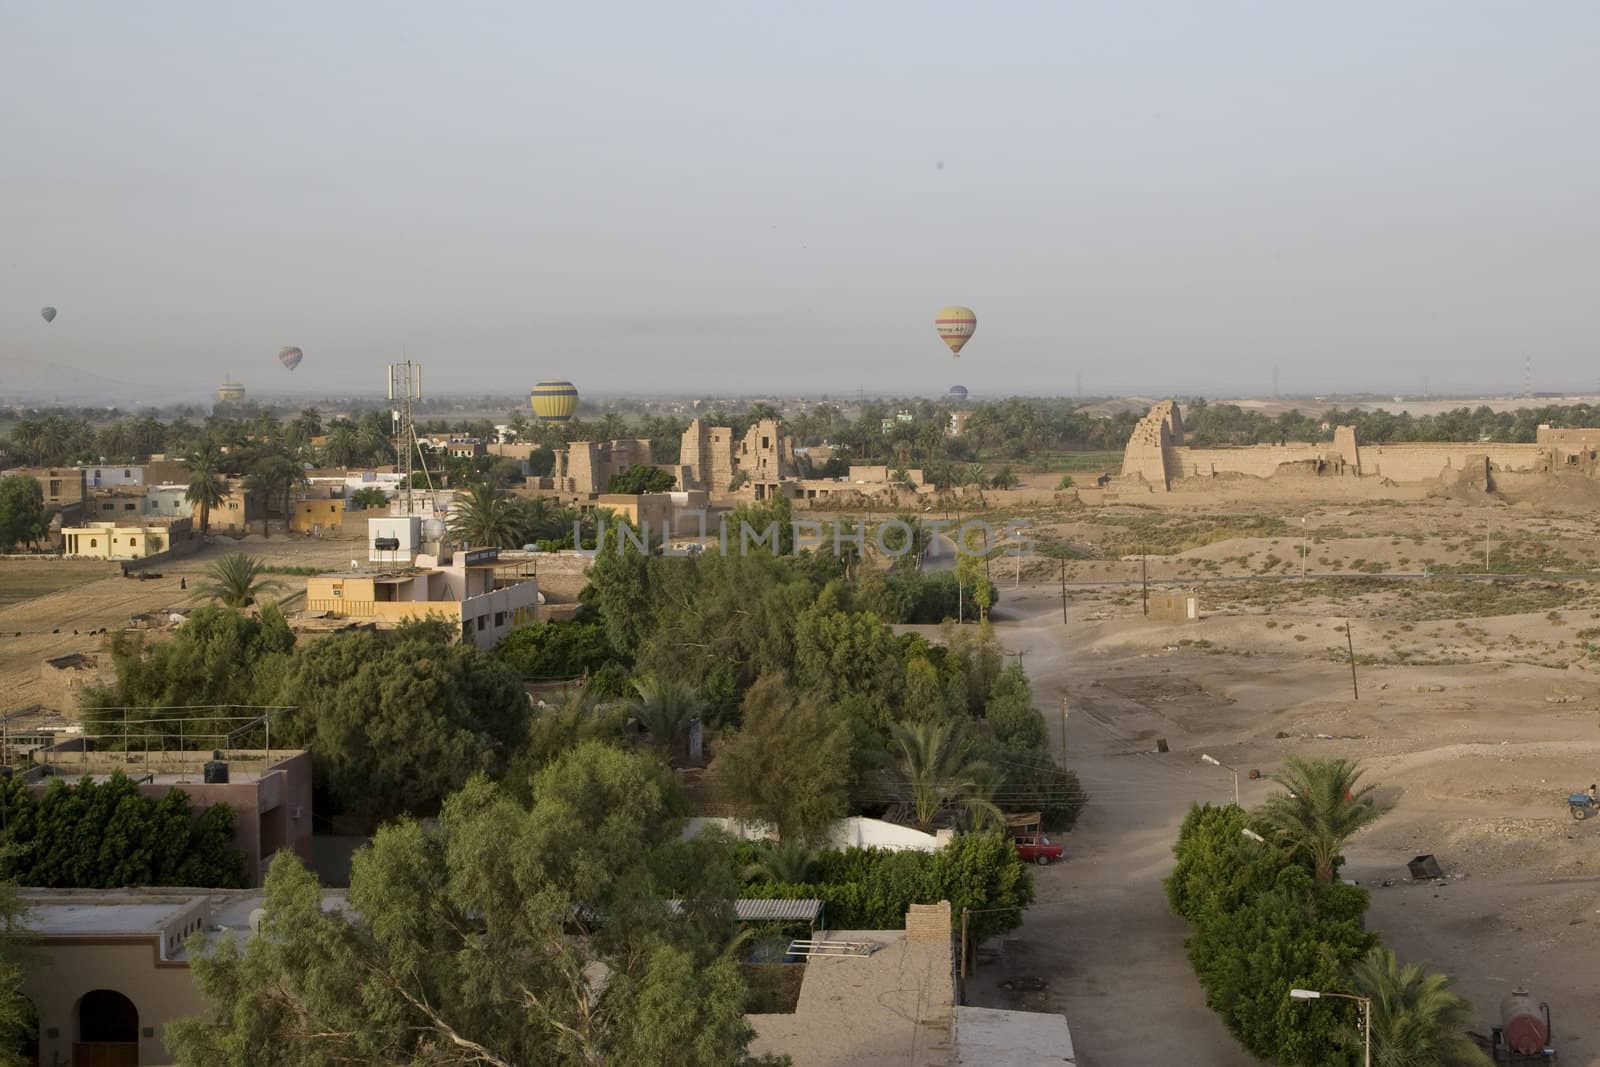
[(206, 488), (786, 862), (1417, 1020), (937, 774), (486, 517), (236, 580), (1324, 806), (665, 710)]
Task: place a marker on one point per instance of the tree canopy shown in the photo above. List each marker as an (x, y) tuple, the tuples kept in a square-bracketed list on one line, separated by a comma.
[(23, 518), (108, 835), (511, 935)]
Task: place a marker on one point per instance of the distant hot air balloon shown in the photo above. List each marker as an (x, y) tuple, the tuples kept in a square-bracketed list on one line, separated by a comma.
[(554, 400), (958, 391), (48, 313), (956, 325), (290, 357)]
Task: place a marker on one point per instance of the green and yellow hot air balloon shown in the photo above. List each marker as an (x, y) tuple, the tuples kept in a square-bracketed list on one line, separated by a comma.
[(554, 401)]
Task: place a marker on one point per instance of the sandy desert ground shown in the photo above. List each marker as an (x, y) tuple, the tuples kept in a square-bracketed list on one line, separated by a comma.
[(1477, 716)]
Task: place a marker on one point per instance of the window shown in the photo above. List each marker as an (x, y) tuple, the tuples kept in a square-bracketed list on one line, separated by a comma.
[(128, 507), (94, 542), (499, 619), (337, 591), (483, 621), (127, 474), (55, 486)]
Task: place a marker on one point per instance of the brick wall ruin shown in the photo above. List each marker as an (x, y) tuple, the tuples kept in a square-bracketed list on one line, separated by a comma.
[(1156, 454), (586, 467)]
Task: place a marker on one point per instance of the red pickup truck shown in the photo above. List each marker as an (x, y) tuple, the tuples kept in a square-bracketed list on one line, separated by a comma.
[(1036, 847)]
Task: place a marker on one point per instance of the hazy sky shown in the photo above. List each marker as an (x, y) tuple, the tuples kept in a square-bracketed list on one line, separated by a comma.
[(1165, 197)]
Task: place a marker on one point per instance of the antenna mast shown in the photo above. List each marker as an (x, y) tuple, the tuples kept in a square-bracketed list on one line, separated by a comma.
[(405, 385)]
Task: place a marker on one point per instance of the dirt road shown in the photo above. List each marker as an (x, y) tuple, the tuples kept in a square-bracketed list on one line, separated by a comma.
[(1099, 945)]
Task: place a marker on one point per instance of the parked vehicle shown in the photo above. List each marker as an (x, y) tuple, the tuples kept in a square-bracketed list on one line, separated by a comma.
[(1583, 805), (1036, 847)]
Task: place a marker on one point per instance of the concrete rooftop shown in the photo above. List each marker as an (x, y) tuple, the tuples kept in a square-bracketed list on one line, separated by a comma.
[(890, 1009)]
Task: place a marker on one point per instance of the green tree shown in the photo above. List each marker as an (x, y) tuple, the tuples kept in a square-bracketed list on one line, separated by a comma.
[(236, 580), (106, 835), (274, 477), (207, 488), (397, 720), (665, 709), (369, 496), (217, 657), (1013, 718), (546, 650), (936, 774), (788, 861), (1004, 478), (1262, 926), (23, 519), (1323, 807), (477, 943), (1417, 1021), (19, 1024), (483, 516), (789, 763), (641, 478)]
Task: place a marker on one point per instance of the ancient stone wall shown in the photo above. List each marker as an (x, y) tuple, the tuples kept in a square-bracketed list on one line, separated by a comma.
[(707, 456), (586, 467), (1155, 453)]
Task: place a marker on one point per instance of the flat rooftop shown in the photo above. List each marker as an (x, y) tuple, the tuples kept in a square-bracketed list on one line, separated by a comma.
[(890, 1009), (88, 917)]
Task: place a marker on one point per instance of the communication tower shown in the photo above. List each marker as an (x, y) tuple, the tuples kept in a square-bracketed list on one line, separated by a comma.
[(405, 386)]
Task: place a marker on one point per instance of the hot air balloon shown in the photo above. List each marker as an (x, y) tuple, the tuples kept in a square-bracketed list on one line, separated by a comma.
[(956, 325), (49, 314), (959, 392), (554, 400), (290, 357)]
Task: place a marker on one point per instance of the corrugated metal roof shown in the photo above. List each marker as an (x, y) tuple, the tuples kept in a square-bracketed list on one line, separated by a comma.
[(768, 910)]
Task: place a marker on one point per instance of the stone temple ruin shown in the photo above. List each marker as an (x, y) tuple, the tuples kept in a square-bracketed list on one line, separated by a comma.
[(760, 465), (1157, 459)]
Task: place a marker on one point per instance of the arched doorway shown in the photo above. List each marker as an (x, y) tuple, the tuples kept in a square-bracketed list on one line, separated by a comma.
[(105, 1030)]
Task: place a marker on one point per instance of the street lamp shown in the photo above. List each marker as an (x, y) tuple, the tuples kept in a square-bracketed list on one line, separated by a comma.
[(1252, 835), (1366, 1012), (1218, 763)]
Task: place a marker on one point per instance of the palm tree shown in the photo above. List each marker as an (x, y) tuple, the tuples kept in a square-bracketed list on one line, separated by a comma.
[(486, 518), (935, 768), (235, 580), (206, 487), (665, 709), (272, 475), (1416, 1020), (787, 862), (1322, 809)]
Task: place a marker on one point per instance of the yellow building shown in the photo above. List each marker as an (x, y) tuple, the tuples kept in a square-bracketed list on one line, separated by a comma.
[(462, 592), (108, 540), (316, 515)]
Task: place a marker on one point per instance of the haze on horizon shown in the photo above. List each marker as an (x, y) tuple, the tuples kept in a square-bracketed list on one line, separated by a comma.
[(1166, 198)]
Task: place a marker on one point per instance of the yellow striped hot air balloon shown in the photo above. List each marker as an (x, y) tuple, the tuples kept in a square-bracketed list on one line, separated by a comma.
[(956, 325), (554, 401)]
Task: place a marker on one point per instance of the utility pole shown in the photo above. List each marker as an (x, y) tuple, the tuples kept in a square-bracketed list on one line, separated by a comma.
[(965, 912), (1305, 547), (1063, 730), (1486, 523), (1063, 590), (1144, 577), (1351, 645)]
